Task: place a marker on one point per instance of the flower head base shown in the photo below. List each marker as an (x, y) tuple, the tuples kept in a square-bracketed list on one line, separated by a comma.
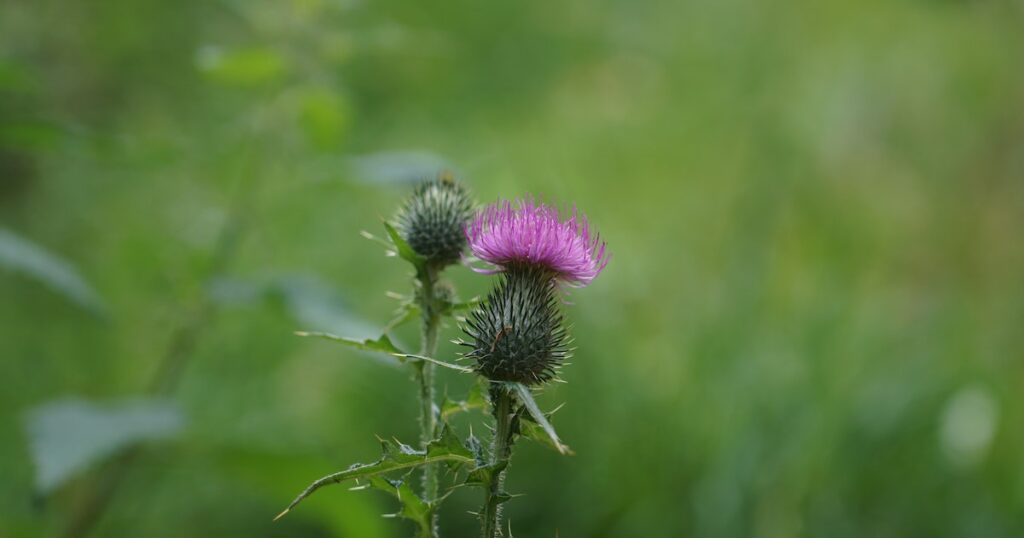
[(518, 333), (433, 218), (532, 234)]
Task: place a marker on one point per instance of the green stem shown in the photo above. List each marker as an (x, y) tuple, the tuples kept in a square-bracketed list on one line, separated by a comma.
[(501, 452), (425, 377)]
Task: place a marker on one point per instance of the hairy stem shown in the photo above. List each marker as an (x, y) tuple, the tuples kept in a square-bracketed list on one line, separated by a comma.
[(501, 452), (425, 377)]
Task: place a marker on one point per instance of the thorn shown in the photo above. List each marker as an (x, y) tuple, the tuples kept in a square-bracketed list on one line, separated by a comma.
[(282, 514), (301, 333)]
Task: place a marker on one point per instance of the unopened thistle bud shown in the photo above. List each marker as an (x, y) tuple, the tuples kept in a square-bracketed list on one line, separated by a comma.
[(433, 220), (518, 332)]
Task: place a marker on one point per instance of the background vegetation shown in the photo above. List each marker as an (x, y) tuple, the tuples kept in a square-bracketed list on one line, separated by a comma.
[(811, 324)]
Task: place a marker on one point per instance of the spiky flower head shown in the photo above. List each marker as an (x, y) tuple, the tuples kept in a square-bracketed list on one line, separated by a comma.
[(432, 220), (517, 333), (532, 234)]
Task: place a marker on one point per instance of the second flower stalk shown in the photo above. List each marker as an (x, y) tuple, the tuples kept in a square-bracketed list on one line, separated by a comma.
[(432, 222)]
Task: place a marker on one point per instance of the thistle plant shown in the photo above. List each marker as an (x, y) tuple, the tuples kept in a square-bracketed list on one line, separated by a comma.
[(517, 342), (518, 338), (431, 222)]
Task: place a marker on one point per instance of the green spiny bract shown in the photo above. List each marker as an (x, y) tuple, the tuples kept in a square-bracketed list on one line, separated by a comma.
[(518, 333), (432, 220)]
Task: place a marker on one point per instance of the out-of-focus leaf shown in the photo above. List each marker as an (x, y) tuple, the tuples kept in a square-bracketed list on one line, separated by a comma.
[(242, 67), (32, 260), (525, 396), (324, 116), (315, 304), (233, 291), (475, 399), (29, 134), (398, 167), (307, 298), (396, 457), (69, 435), (15, 77)]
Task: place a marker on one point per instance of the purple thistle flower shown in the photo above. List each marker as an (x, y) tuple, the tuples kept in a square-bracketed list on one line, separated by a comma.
[(532, 234)]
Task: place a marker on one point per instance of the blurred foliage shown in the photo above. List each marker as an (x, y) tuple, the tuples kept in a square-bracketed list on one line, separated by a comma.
[(811, 324)]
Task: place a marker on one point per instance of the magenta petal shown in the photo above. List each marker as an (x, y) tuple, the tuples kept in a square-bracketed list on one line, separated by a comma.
[(531, 233)]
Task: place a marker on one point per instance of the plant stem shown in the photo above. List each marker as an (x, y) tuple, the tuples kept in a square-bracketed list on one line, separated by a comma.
[(501, 452), (425, 377)]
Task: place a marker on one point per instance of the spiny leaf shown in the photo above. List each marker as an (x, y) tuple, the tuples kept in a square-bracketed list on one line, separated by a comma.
[(483, 475), (380, 241), (413, 507), (409, 311), (449, 308), (403, 249), (477, 448), (456, 367), (532, 430), (448, 443), (524, 394), (382, 344), (395, 457), (474, 400)]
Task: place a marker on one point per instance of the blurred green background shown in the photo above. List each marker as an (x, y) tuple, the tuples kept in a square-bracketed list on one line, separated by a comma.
[(811, 326)]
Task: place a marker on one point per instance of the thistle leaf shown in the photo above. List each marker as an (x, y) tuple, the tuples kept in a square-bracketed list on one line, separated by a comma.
[(383, 345), (407, 312), (396, 457), (450, 309), (532, 430), (474, 400), (403, 249), (380, 345), (524, 394), (450, 366), (413, 507), (483, 475)]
